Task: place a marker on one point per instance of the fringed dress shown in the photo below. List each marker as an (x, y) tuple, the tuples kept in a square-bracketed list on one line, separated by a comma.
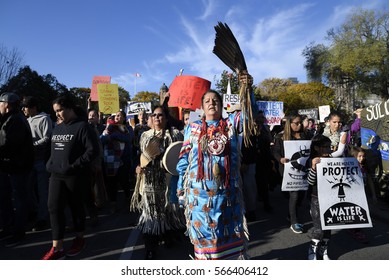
[(211, 187), (151, 195)]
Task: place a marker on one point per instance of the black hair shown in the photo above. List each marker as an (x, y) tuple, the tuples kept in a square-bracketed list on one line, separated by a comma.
[(66, 101), (217, 94), (334, 114), (92, 109), (319, 140)]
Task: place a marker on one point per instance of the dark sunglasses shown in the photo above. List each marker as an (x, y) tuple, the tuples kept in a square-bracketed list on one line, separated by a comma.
[(156, 115)]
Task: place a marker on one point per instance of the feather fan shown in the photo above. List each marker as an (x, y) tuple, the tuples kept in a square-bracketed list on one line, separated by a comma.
[(228, 50)]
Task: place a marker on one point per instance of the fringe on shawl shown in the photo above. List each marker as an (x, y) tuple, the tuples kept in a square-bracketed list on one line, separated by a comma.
[(172, 218), (187, 212)]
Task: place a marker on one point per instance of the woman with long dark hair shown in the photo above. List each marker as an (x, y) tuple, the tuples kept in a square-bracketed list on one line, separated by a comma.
[(210, 182), (73, 150), (292, 131)]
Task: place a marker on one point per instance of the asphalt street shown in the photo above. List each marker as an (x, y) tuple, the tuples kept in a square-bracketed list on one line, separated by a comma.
[(115, 238)]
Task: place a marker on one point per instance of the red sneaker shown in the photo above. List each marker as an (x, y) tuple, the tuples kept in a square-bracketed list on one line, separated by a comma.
[(54, 255), (77, 246)]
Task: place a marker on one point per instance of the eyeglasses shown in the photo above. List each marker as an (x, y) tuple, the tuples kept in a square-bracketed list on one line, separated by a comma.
[(156, 115)]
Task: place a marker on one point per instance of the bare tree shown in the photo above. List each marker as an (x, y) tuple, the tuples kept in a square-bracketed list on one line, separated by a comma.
[(10, 63)]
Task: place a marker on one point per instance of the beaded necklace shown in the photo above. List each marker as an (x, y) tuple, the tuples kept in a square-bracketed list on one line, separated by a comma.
[(213, 141)]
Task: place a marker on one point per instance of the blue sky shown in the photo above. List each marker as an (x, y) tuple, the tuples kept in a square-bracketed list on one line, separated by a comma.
[(75, 40)]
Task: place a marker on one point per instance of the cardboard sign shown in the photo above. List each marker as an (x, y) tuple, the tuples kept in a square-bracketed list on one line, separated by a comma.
[(324, 111), (186, 92), (98, 80), (133, 108), (341, 194), (108, 98), (273, 111), (312, 113), (295, 172), (375, 134), (231, 102)]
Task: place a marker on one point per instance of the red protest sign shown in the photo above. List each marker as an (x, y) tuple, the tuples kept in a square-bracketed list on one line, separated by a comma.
[(98, 80), (186, 91)]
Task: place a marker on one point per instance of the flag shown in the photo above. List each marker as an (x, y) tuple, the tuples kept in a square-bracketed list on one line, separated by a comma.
[(138, 75)]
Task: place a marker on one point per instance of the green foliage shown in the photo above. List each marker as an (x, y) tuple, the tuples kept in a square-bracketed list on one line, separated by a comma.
[(358, 55), (124, 97), (147, 96), (315, 56), (221, 85), (81, 96), (296, 96), (306, 96), (29, 83), (270, 89)]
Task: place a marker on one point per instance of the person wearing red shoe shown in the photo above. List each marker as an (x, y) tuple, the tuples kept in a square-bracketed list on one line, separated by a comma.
[(74, 146)]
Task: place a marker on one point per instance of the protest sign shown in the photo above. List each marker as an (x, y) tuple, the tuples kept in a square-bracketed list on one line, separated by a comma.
[(312, 113), (341, 194), (108, 98), (98, 80), (186, 92), (133, 108), (295, 172), (324, 111), (273, 111)]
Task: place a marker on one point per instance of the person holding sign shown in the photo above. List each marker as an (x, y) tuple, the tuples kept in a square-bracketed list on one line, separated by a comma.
[(293, 131), (117, 140), (320, 147), (333, 130), (210, 184)]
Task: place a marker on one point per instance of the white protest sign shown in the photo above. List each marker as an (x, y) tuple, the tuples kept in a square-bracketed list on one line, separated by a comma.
[(133, 108), (324, 111), (341, 194), (295, 172), (273, 111)]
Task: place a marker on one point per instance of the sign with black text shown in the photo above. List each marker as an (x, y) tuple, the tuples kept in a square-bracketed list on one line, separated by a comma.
[(341, 193)]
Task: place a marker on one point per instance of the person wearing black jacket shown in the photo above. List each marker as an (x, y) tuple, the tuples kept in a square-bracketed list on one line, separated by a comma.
[(292, 131), (16, 161), (73, 149)]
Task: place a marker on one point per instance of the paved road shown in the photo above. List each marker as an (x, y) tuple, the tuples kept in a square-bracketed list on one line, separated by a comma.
[(270, 239)]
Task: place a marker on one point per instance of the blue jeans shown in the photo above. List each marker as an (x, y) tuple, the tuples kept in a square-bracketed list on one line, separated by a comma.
[(14, 200)]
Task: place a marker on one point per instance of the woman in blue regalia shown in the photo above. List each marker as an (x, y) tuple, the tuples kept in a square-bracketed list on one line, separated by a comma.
[(210, 183)]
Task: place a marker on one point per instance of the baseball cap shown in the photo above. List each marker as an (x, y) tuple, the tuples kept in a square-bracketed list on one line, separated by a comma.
[(30, 102), (9, 97)]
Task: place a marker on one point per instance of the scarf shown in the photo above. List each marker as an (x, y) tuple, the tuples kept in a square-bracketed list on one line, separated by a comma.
[(334, 136)]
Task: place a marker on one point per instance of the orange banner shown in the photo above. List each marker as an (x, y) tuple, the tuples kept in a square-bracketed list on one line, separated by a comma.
[(98, 80), (186, 92)]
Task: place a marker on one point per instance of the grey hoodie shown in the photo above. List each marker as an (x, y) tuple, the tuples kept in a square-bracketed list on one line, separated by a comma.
[(41, 128)]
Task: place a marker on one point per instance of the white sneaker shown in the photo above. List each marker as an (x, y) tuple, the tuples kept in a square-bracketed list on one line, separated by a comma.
[(323, 251)]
